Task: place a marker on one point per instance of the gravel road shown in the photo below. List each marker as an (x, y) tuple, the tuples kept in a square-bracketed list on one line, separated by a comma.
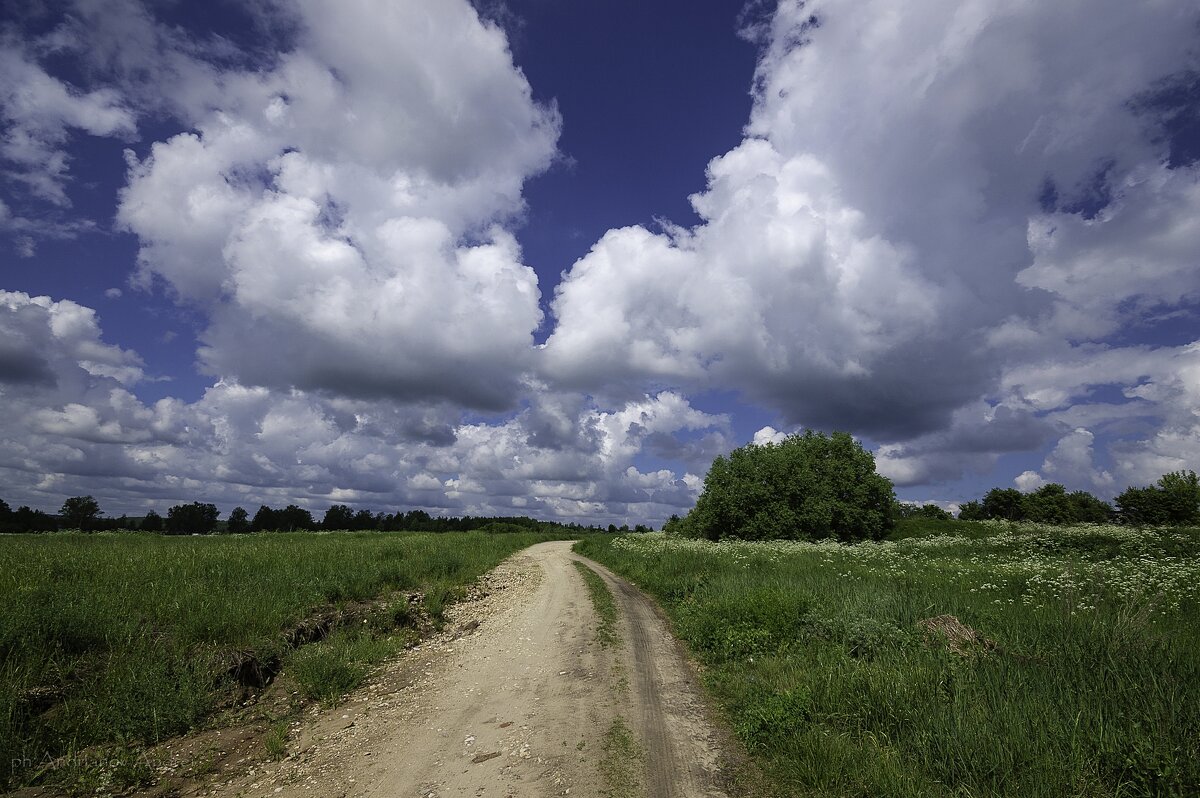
[(515, 699)]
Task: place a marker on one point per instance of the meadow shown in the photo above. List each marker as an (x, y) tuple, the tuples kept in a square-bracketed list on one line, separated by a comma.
[(115, 641), (1071, 666)]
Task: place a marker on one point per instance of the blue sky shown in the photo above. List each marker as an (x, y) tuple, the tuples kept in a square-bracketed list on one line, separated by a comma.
[(546, 258)]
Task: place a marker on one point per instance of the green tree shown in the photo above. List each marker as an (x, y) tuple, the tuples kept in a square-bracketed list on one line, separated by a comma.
[(1087, 509), (265, 519), (239, 521), (807, 486), (80, 512), (1048, 505), (194, 518), (339, 516), (1005, 504), (1181, 497), (152, 522), (293, 518), (1174, 500), (971, 511)]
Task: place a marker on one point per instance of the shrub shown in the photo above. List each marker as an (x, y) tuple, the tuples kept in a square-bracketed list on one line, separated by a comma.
[(805, 487)]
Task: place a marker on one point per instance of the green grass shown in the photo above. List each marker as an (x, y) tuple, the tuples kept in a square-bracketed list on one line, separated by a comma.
[(602, 603), (621, 762), (276, 740), (124, 639), (816, 654)]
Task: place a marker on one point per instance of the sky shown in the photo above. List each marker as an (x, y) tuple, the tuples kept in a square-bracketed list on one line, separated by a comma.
[(550, 259)]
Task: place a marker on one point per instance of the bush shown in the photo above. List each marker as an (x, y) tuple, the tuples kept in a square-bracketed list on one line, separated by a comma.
[(805, 487)]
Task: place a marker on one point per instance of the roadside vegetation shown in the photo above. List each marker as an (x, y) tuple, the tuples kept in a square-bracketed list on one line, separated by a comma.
[(603, 604), (111, 642), (1000, 659)]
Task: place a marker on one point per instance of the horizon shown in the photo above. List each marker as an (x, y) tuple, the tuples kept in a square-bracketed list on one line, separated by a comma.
[(514, 258)]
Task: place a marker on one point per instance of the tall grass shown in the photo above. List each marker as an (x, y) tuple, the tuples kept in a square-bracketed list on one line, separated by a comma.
[(126, 638), (1086, 683)]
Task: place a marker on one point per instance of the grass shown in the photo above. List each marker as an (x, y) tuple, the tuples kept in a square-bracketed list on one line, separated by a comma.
[(122, 640), (621, 762), (327, 671), (602, 603), (276, 740), (1086, 684)]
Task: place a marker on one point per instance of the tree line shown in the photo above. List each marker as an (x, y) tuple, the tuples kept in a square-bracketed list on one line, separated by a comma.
[(84, 513), (1174, 500), (816, 486)]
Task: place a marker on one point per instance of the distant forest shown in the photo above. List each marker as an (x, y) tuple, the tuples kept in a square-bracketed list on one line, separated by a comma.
[(84, 513)]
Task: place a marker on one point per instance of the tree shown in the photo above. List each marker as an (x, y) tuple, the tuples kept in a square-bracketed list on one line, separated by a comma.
[(292, 518), (339, 516), (1174, 500), (25, 519), (239, 521), (152, 522), (80, 512), (971, 511), (1181, 497), (1005, 504), (196, 518), (264, 519), (1048, 505), (1087, 509), (807, 486), (930, 512)]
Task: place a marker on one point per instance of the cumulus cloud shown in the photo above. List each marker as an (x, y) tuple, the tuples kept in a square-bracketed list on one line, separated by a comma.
[(39, 111), (72, 414), (930, 213), (338, 214)]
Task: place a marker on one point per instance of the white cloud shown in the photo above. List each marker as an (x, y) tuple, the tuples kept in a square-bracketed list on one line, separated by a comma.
[(1138, 254), (1028, 481), (866, 256), (47, 343), (1072, 462), (240, 444), (39, 111), (337, 216), (768, 435)]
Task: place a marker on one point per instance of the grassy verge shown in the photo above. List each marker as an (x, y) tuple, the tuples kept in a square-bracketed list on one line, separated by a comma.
[(1081, 681), (121, 640), (602, 603)]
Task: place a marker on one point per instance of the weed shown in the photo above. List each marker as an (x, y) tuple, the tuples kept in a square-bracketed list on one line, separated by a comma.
[(602, 603), (276, 740), (620, 765)]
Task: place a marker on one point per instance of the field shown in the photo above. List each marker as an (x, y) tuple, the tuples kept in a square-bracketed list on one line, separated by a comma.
[(1071, 665), (119, 640)]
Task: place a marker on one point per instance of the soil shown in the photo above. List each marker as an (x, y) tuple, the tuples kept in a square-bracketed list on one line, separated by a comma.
[(515, 697)]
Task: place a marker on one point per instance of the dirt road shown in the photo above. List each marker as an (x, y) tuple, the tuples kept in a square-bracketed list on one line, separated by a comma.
[(525, 702)]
